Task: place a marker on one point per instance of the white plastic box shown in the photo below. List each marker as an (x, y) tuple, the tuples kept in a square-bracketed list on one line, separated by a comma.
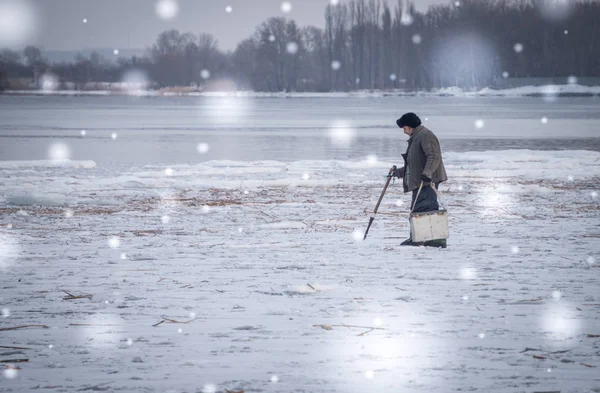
[(429, 226)]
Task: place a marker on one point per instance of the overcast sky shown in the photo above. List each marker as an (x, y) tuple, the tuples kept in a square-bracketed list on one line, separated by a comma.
[(134, 24)]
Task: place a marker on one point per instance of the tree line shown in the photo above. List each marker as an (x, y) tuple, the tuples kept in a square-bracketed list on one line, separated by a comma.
[(365, 44)]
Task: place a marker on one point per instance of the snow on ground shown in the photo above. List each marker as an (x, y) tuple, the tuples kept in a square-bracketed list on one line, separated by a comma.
[(247, 276), (522, 91)]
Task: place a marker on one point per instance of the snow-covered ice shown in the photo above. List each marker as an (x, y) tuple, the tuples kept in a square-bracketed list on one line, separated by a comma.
[(198, 305)]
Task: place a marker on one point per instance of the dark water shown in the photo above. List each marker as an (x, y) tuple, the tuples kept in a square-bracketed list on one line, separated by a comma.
[(168, 129)]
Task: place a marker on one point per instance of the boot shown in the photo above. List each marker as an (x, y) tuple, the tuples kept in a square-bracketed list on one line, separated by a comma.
[(439, 243), (407, 242)]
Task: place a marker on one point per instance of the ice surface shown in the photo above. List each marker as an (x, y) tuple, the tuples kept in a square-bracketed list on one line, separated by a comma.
[(183, 300)]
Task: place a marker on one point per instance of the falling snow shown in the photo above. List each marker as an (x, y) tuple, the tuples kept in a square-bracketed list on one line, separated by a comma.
[(416, 39), (114, 242), (479, 123), (229, 9), (335, 65), (167, 9), (286, 7), (292, 48), (59, 152), (202, 148), (518, 47), (10, 373)]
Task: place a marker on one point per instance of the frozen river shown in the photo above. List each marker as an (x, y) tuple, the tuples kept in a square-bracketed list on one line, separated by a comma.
[(159, 268), (167, 130)]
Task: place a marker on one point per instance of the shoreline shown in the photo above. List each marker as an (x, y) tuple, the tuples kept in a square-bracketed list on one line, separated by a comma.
[(547, 92)]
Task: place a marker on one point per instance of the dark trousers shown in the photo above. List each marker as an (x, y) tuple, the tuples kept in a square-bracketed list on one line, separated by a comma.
[(427, 200)]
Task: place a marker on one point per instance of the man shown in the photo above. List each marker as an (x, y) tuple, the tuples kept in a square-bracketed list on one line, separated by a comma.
[(422, 164)]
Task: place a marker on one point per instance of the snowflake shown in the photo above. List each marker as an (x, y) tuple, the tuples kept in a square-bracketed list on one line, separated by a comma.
[(229, 9), (372, 160), (505, 74), (169, 172), (416, 39), (49, 82), (370, 374), (518, 47), (305, 176), (572, 80), (113, 136), (129, 342), (5, 313), (341, 134), (205, 74), (167, 9), (123, 256), (203, 148), (377, 322), (85, 20), (556, 295), (292, 48), (83, 132), (59, 152), (68, 213), (514, 249), (272, 38), (544, 120), (114, 242), (479, 123), (286, 7), (205, 209), (10, 373), (116, 52), (209, 388), (358, 235), (274, 378), (165, 219), (336, 65), (334, 2), (393, 77), (468, 273), (481, 335), (17, 23)]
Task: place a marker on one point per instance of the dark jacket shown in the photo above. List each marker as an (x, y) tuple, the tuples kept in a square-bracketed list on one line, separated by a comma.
[(423, 157)]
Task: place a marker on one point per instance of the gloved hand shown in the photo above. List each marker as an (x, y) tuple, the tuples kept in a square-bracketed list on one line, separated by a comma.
[(425, 179), (398, 172)]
